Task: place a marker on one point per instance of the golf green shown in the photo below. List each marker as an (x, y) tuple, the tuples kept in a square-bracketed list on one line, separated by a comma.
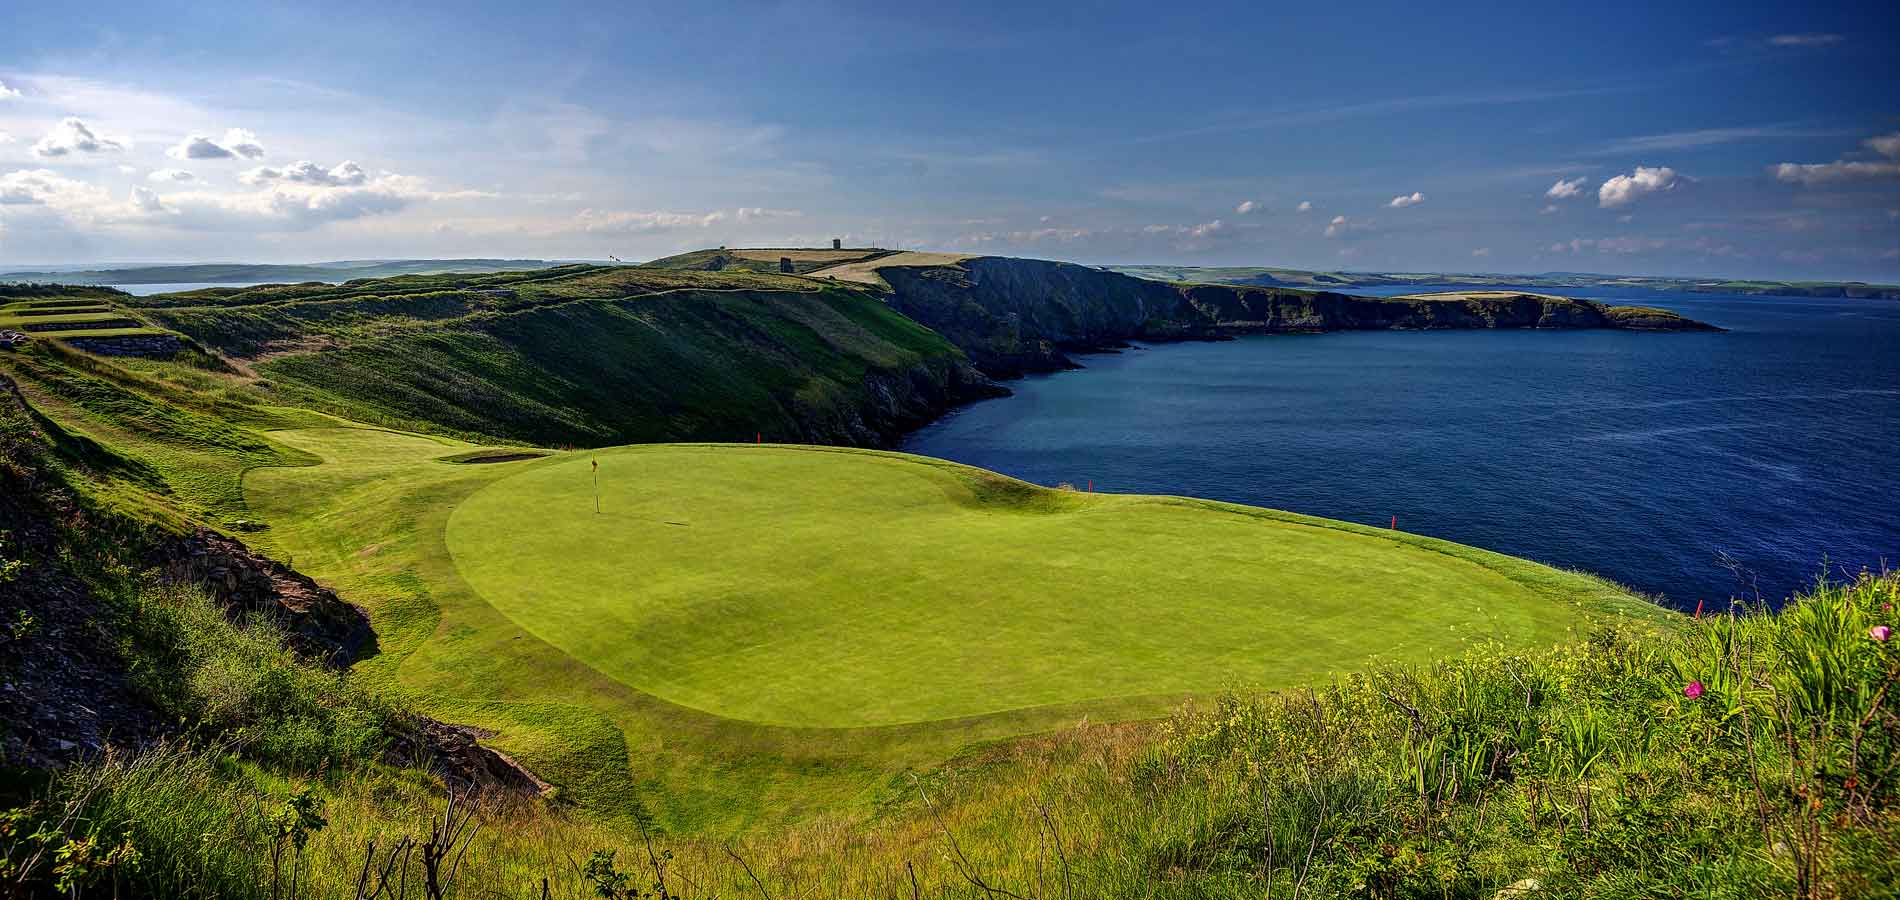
[(843, 588)]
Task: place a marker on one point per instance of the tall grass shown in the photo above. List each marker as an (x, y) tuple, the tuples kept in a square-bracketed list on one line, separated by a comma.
[(1592, 770)]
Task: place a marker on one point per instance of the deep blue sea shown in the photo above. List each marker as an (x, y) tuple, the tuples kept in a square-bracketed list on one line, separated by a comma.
[(1693, 466)]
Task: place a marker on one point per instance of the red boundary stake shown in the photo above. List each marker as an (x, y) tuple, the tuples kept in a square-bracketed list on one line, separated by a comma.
[(1091, 485), (1395, 523), (1698, 609), (758, 437)]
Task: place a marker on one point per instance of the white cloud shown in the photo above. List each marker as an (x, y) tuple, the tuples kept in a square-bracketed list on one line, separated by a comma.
[(72, 136), (1206, 228), (1565, 189), (1620, 190), (1246, 207), (146, 200), (1887, 145), (8, 93), (344, 174), (1548, 209), (1809, 39), (237, 142), (1306, 206), (596, 221), (1839, 170), (1481, 251), (1404, 200), (74, 199), (1336, 226), (164, 176), (5, 138)]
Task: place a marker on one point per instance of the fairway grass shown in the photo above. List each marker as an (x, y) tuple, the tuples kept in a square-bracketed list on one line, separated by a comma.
[(754, 635), (814, 587)]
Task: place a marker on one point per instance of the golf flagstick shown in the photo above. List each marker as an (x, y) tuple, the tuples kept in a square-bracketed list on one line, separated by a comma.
[(597, 487)]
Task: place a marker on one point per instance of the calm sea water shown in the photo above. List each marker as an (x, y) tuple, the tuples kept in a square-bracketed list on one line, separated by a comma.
[(1695, 466)]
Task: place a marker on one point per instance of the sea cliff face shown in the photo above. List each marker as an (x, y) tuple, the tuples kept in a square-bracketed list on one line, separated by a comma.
[(1020, 315)]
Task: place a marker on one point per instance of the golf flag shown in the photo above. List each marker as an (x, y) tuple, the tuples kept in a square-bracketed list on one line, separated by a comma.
[(596, 487)]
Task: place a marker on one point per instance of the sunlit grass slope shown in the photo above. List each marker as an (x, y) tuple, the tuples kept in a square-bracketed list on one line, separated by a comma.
[(834, 588), (822, 620)]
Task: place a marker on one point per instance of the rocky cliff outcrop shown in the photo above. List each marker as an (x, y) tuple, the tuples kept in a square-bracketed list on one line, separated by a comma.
[(1020, 315), (316, 623)]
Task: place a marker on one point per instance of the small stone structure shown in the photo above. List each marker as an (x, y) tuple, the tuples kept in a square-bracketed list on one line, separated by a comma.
[(785, 265), (837, 243)]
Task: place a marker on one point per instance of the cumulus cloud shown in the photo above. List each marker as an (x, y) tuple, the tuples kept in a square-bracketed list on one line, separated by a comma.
[(237, 142), (1566, 189), (1548, 209), (344, 174), (1809, 39), (1206, 228), (71, 198), (73, 136), (1306, 206), (1246, 207), (1887, 145), (1404, 200), (8, 93), (1622, 190), (1336, 226), (165, 176)]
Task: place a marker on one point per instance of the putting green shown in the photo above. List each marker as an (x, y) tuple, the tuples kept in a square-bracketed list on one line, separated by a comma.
[(841, 588)]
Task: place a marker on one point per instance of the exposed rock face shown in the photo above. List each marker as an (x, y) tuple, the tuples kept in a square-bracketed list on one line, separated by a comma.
[(151, 345), (892, 403), (1020, 315), (318, 625), (453, 752)]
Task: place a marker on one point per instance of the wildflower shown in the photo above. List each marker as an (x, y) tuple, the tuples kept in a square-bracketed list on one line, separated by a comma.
[(1693, 690), (1880, 633)]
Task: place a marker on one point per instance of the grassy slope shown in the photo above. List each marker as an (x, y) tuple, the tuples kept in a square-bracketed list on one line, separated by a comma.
[(765, 259), (579, 354), (371, 521), (855, 589)]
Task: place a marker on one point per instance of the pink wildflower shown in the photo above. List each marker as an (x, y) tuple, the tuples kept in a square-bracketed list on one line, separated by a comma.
[(1693, 690), (1880, 633)]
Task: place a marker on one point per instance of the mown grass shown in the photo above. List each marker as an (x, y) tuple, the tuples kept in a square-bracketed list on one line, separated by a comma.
[(832, 588), (371, 521)]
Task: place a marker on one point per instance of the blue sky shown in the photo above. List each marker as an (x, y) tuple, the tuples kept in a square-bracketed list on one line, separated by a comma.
[(1687, 138)]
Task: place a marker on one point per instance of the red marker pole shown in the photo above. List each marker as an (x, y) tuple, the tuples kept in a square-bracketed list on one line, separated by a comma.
[(1395, 523), (758, 437), (1698, 609), (1091, 485)]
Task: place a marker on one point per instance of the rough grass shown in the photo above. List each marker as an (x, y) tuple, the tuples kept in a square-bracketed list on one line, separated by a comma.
[(577, 355)]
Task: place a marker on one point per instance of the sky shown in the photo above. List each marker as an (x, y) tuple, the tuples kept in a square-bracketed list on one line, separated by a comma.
[(1726, 138)]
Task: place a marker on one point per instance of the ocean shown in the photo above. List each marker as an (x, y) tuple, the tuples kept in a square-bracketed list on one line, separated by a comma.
[(1697, 467)]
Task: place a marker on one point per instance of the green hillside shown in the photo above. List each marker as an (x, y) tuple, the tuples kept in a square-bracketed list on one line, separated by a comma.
[(588, 355)]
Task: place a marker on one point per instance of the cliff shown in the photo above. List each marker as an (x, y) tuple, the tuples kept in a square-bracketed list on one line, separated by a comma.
[(1020, 315)]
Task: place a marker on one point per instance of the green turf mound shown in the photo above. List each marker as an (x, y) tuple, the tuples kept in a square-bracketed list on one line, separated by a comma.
[(836, 588)]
